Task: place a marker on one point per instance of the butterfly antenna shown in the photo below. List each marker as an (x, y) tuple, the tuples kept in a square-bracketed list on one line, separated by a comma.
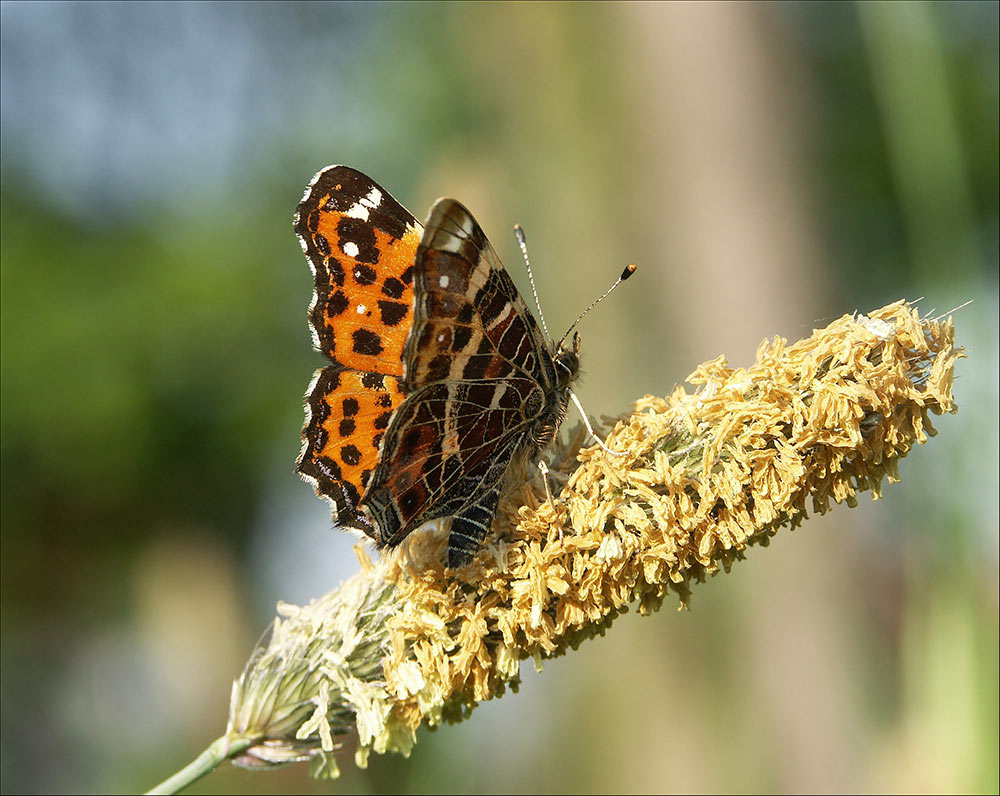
[(590, 428), (524, 250), (629, 270)]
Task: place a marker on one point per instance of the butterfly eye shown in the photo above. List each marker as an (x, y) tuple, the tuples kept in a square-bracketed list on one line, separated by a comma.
[(567, 366)]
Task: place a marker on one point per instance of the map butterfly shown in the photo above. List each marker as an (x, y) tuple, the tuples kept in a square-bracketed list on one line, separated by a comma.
[(440, 375)]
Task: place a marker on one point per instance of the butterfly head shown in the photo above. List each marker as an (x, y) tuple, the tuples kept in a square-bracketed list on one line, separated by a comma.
[(567, 363)]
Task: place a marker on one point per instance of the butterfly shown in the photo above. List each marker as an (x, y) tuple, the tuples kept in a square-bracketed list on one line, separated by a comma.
[(440, 375)]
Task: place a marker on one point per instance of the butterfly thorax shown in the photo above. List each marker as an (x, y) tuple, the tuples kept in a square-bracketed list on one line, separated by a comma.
[(550, 416)]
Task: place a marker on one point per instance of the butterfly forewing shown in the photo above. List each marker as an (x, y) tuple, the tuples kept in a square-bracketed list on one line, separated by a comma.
[(361, 244), (470, 321)]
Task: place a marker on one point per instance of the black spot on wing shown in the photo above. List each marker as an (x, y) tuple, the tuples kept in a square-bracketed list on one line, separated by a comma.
[(337, 303), (366, 342), (335, 270), (392, 312), (412, 500), (438, 368), (364, 274), (350, 454), (360, 233), (465, 314), (463, 334), (393, 288)]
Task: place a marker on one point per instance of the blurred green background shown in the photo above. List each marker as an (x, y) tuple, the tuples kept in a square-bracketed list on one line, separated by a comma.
[(770, 167)]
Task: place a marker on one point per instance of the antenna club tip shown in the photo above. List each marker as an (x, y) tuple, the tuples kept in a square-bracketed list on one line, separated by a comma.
[(630, 269)]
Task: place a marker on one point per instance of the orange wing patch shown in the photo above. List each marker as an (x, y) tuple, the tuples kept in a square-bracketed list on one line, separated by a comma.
[(348, 415), (369, 314)]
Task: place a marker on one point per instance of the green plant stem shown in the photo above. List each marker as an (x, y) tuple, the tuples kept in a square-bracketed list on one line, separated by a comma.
[(220, 750)]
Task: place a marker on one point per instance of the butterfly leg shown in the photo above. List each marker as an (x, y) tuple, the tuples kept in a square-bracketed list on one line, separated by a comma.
[(548, 489), (544, 468), (470, 526)]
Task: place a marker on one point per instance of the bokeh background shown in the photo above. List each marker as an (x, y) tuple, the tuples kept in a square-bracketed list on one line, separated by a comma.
[(770, 167)]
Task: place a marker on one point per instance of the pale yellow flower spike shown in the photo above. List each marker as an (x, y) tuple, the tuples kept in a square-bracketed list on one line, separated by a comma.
[(704, 475)]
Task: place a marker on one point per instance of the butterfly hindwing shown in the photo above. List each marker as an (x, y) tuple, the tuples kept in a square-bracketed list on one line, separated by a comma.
[(347, 414), (448, 443)]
